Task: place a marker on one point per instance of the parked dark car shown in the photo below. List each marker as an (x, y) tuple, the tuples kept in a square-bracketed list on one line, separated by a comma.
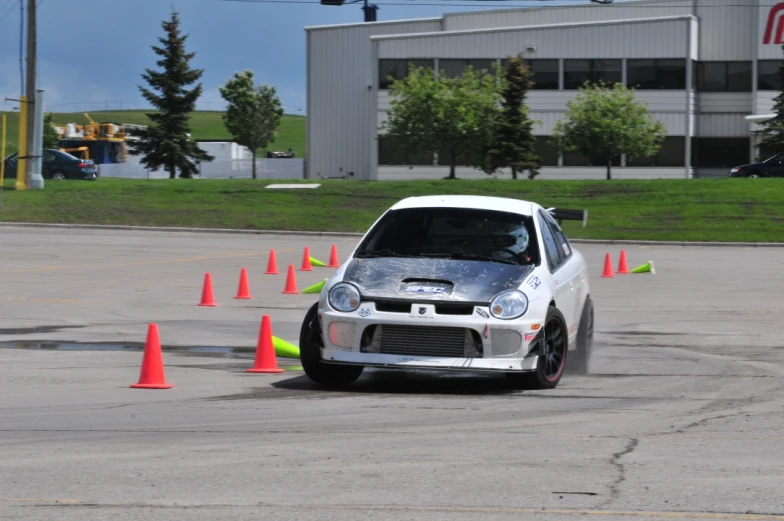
[(57, 165), (771, 167)]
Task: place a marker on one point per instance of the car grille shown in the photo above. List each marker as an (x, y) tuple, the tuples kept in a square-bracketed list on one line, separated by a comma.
[(442, 308), (423, 341)]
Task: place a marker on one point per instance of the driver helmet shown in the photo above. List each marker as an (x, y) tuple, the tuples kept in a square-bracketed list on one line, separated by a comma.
[(514, 239)]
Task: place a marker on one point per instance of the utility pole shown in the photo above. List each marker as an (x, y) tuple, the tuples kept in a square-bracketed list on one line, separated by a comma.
[(30, 93)]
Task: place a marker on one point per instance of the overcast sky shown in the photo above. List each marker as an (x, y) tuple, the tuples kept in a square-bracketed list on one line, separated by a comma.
[(91, 52)]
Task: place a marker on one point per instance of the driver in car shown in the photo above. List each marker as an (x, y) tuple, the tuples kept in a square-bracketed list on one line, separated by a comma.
[(511, 245)]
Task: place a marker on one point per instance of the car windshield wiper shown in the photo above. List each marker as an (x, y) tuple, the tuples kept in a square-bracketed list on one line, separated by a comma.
[(386, 252), (466, 255)]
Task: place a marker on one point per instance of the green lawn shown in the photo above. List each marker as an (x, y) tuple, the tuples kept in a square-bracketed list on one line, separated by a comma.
[(692, 210), (204, 125)]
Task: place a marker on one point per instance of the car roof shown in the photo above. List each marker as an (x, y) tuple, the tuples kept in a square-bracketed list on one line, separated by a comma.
[(480, 202)]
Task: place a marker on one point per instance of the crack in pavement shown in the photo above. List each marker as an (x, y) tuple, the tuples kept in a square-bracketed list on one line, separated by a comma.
[(703, 421), (631, 445)]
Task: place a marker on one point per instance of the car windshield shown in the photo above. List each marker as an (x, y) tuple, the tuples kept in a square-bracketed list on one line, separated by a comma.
[(456, 233)]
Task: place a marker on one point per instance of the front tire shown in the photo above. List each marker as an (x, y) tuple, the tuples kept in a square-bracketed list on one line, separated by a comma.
[(553, 346), (310, 344)]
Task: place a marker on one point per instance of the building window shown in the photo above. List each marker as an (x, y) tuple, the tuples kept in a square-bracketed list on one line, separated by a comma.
[(453, 68), (576, 159), (710, 152), (545, 73), (577, 72), (768, 75), (671, 153), (656, 74), (462, 159), (391, 154), (724, 76), (398, 70), (546, 151)]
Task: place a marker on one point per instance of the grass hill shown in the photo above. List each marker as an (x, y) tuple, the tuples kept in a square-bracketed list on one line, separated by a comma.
[(204, 125)]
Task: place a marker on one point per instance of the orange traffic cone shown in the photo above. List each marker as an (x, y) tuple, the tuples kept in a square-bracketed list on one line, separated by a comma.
[(272, 265), (291, 282), (244, 290), (622, 267), (333, 258), (306, 265), (207, 299), (266, 361), (152, 374), (608, 272)]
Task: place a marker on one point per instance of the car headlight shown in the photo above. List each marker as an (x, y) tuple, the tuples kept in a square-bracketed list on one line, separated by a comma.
[(509, 305), (734, 170), (344, 297)]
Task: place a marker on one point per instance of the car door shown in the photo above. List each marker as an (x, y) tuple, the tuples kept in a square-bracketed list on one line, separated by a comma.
[(775, 168), (50, 164), (564, 268)]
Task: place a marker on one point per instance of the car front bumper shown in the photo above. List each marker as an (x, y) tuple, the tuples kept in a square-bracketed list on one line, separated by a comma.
[(424, 339)]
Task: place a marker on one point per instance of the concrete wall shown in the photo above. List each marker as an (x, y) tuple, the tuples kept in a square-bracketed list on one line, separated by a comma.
[(341, 103), (402, 173), (663, 38), (572, 13)]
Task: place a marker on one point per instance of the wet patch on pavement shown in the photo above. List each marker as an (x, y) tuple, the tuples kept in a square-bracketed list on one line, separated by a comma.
[(38, 330), (192, 351)]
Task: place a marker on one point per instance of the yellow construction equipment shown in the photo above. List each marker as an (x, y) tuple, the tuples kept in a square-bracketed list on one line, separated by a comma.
[(104, 142)]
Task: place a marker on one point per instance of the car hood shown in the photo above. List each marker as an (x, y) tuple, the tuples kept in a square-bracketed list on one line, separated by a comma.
[(434, 279)]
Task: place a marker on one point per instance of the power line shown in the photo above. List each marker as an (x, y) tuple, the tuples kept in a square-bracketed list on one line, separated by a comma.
[(9, 11)]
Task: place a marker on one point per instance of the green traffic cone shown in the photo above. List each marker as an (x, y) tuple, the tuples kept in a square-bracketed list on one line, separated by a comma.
[(285, 349), (645, 268), (316, 262), (315, 288)]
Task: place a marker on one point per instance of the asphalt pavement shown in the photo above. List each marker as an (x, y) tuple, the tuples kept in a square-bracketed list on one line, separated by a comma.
[(681, 416)]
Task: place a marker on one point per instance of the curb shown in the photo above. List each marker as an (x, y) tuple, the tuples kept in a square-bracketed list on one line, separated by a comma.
[(177, 229), (359, 235), (680, 243)]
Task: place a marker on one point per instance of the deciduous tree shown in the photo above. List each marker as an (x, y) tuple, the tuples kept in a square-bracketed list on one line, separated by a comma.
[(166, 142), (605, 122), (514, 144), (253, 114), (455, 116)]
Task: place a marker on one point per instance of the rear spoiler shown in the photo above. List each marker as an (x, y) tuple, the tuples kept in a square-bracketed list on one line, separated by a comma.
[(559, 214)]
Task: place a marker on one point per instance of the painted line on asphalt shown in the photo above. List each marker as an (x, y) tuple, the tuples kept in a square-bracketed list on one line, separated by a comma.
[(305, 233), (559, 511), (419, 509)]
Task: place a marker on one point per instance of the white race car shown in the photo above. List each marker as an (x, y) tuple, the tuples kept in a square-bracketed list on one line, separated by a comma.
[(461, 283)]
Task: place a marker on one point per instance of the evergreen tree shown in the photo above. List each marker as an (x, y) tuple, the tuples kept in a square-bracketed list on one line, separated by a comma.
[(514, 146), (773, 129), (165, 142)]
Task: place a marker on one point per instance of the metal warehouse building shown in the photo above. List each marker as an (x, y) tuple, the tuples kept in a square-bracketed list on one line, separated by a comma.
[(707, 69)]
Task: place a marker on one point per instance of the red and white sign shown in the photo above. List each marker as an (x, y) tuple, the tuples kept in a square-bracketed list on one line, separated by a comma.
[(774, 28)]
